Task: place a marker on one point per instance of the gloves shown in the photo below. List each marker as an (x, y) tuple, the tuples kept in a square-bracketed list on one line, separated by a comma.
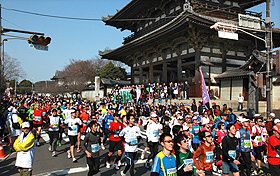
[(51, 126), (254, 153), (61, 126)]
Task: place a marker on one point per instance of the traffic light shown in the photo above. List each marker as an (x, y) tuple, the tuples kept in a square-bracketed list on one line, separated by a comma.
[(44, 41)]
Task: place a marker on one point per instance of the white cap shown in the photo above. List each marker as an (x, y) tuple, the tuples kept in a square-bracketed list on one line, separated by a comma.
[(194, 118), (185, 127), (25, 125), (257, 115), (180, 118), (166, 112), (196, 112), (14, 111), (205, 121), (244, 120), (239, 118), (153, 115), (272, 115), (178, 112), (276, 121)]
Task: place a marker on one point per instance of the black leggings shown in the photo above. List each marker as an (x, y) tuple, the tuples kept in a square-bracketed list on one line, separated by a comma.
[(130, 157), (154, 150), (93, 164), (274, 169), (53, 139), (245, 163)]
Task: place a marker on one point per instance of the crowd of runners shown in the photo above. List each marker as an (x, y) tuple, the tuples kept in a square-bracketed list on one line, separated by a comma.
[(181, 140)]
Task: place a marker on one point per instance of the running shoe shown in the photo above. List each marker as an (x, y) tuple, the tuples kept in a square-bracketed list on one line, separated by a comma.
[(107, 165), (38, 144), (74, 160), (123, 174), (119, 163), (254, 173), (68, 154), (50, 148), (78, 150), (116, 166), (147, 164), (102, 146), (59, 144), (53, 154), (260, 172), (143, 155)]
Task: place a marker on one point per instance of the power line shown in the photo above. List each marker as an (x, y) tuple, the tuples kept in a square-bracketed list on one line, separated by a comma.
[(129, 19), (13, 23)]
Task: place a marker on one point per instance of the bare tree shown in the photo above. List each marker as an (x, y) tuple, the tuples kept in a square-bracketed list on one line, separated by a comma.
[(12, 69), (78, 73)]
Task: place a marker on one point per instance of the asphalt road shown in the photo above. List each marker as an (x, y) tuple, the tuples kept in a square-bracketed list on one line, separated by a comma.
[(45, 164)]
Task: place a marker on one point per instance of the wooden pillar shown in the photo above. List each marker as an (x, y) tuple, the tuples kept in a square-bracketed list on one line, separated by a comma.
[(224, 61), (197, 76), (132, 75), (164, 71), (151, 73), (179, 72), (140, 74)]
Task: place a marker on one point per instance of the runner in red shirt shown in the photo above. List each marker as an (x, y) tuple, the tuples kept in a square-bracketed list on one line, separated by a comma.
[(37, 122), (115, 142), (273, 153)]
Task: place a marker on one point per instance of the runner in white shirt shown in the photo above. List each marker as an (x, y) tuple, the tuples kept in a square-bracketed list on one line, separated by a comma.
[(73, 124), (131, 135), (153, 129), (67, 111)]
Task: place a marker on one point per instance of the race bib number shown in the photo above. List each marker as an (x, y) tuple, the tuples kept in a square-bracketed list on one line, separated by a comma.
[(172, 172), (74, 129), (196, 130), (133, 141), (94, 148), (247, 144), (55, 125), (264, 132), (209, 157), (232, 153), (188, 161), (155, 133), (37, 118), (278, 153), (44, 113), (109, 121), (117, 134), (259, 138)]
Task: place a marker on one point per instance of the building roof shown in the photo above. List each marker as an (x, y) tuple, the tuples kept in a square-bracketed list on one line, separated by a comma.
[(106, 81), (234, 73), (183, 18), (58, 75)]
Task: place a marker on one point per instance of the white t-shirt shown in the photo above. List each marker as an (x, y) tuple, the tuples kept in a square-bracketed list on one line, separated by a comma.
[(153, 131), (72, 123), (130, 135)]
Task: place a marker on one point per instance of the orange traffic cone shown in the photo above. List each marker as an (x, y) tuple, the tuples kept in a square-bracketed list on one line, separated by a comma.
[(2, 154)]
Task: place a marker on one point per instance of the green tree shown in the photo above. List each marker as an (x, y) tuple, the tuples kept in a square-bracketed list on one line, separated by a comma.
[(25, 86), (110, 71)]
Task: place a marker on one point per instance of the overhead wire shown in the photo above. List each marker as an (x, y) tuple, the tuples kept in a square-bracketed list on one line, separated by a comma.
[(128, 19), (12, 23)]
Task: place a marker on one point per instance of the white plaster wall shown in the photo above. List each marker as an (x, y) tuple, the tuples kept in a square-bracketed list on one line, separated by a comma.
[(225, 88), (92, 93), (237, 88)]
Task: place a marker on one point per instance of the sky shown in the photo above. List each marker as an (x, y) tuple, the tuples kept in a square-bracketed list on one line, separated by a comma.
[(71, 39)]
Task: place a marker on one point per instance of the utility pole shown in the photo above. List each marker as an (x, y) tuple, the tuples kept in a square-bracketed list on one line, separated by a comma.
[(268, 48), (1, 62)]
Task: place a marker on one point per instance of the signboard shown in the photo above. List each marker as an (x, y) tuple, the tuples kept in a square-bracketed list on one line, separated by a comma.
[(39, 47), (277, 62), (228, 35), (249, 21)]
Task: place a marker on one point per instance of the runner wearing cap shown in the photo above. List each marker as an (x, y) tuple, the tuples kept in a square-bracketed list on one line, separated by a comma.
[(245, 146), (273, 153), (258, 137), (153, 129), (54, 124), (195, 133), (25, 147)]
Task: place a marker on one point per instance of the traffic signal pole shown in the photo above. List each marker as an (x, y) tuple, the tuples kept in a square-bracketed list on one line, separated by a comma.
[(268, 66)]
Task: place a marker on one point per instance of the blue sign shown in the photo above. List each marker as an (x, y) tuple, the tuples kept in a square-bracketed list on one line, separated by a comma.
[(39, 47)]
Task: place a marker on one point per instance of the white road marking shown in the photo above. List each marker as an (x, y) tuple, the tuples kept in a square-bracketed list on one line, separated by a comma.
[(77, 170)]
